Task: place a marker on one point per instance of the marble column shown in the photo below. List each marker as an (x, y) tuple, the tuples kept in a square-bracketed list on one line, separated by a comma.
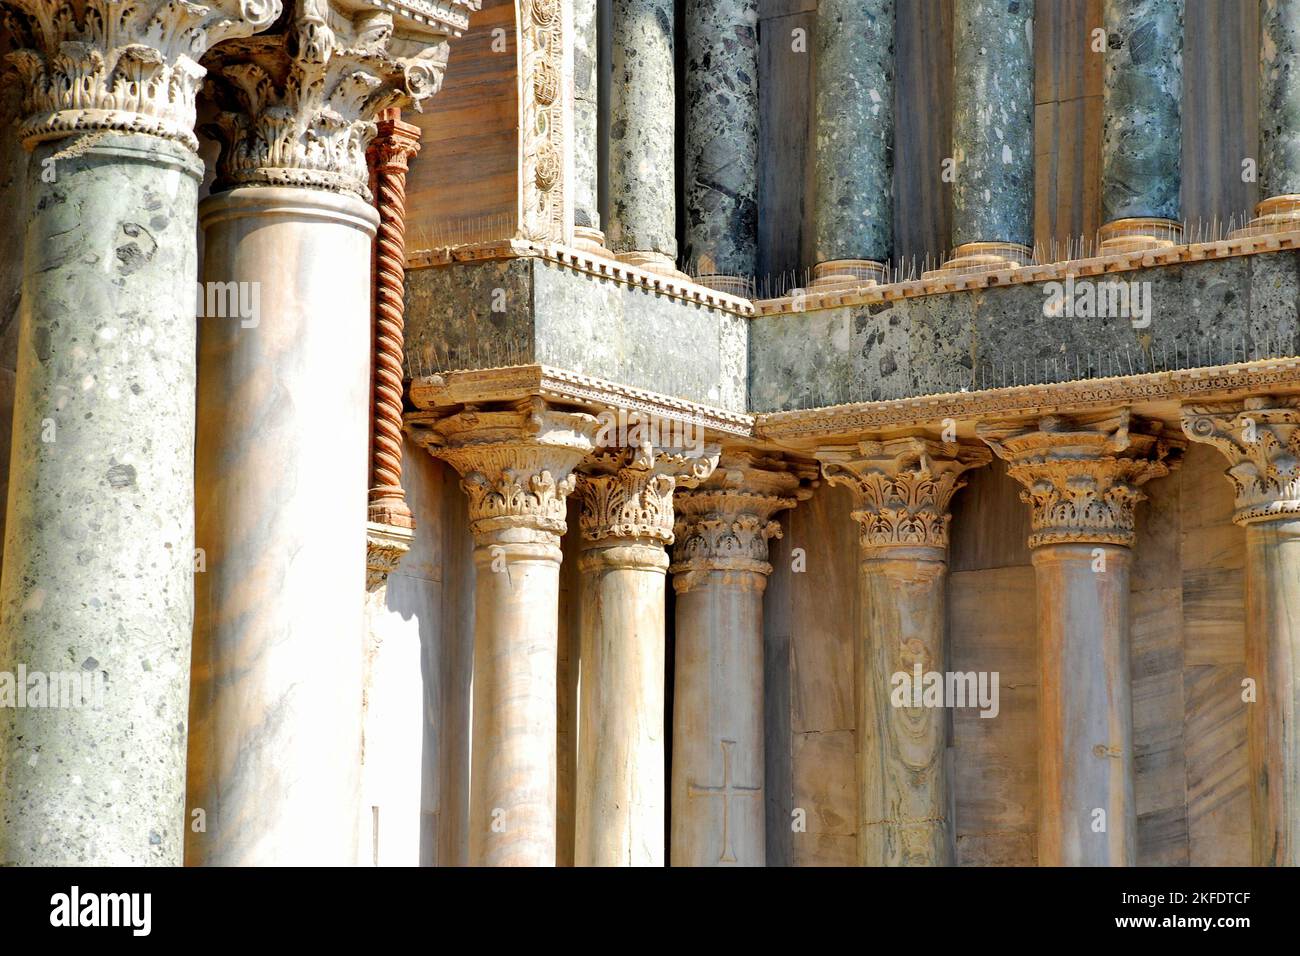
[(992, 135), (1260, 438), (517, 467), (642, 227), (586, 128), (626, 520), (1082, 480), (720, 571), (902, 490), (1279, 117), (854, 211), (1141, 138), (722, 143), (99, 541), (284, 407)]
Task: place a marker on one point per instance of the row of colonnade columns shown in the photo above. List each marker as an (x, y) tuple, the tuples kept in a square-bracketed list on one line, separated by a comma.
[(991, 147), (1082, 477)]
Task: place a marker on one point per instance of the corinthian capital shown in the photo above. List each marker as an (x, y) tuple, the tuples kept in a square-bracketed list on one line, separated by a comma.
[(122, 65), (516, 465), (1260, 437), (902, 487), (300, 103), (628, 493), (1081, 476)]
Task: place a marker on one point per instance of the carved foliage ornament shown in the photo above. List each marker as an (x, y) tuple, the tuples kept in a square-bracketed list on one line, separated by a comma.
[(541, 51), (629, 493), (299, 105), (1261, 440), (903, 487), (1081, 478), (124, 65)]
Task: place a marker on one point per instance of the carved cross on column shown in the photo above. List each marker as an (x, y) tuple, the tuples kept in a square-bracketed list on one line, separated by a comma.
[(726, 790)]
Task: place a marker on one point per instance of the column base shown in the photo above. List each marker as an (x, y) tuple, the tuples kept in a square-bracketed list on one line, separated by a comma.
[(655, 262), (589, 240), (849, 273), (739, 286), (983, 257), (1138, 234), (1275, 214)]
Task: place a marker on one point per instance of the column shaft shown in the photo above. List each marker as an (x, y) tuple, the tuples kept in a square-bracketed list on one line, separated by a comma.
[(722, 142), (1141, 146), (284, 399), (854, 209), (586, 123), (642, 149), (1279, 116)]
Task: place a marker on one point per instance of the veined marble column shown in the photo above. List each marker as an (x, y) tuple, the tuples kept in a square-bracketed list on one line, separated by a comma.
[(902, 489), (854, 209), (284, 409), (627, 519), (517, 467), (642, 228), (722, 142), (720, 571), (1261, 440), (992, 135), (99, 543), (1279, 117), (1141, 138), (586, 123), (1081, 481)]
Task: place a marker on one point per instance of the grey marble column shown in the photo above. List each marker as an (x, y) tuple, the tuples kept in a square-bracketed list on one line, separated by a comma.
[(99, 542), (992, 134), (642, 227), (1141, 139), (1279, 116), (586, 125), (722, 142), (854, 209)]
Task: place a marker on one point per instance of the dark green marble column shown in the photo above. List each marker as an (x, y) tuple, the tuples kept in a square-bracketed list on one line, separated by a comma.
[(586, 180), (1279, 116), (722, 142), (1141, 139), (992, 134), (855, 137), (642, 227)]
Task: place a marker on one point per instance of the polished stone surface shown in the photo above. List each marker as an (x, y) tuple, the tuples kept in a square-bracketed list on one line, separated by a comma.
[(1279, 98)]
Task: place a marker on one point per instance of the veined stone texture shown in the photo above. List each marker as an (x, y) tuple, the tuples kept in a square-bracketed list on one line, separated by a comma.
[(1141, 139), (99, 545), (993, 121), (1279, 98), (855, 129), (586, 180), (722, 136), (642, 186)]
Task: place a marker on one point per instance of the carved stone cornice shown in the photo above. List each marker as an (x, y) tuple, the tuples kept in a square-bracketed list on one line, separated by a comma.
[(725, 523), (1081, 476), (902, 487), (299, 105), (516, 465), (1260, 437), (628, 493), (130, 66)]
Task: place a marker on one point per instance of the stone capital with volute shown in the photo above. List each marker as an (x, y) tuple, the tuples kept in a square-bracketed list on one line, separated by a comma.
[(628, 493), (1260, 437)]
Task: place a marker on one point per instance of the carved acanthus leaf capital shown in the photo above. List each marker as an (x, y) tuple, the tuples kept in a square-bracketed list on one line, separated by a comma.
[(628, 493), (386, 545), (1260, 437), (130, 66), (516, 465), (300, 104), (1082, 476), (902, 487), (725, 523)]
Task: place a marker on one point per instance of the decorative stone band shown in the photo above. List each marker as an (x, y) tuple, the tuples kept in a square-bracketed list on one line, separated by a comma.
[(902, 487), (1261, 440), (1082, 475), (516, 465), (725, 523), (629, 493), (299, 105), (130, 67)]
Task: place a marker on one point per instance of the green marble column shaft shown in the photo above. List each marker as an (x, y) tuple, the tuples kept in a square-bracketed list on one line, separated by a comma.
[(1279, 98), (586, 182)]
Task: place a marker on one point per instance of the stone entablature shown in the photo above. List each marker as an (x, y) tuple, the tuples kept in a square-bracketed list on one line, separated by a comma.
[(1260, 437)]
